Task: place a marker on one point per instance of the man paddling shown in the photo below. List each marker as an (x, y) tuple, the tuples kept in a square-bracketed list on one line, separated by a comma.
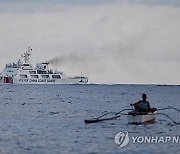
[(142, 105)]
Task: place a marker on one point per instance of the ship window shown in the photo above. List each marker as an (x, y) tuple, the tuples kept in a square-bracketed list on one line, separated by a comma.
[(32, 72), (34, 76), (41, 72), (26, 65), (23, 76), (45, 76), (56, 76)]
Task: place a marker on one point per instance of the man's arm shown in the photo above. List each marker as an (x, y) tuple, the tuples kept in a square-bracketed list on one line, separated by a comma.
[(135, 104)]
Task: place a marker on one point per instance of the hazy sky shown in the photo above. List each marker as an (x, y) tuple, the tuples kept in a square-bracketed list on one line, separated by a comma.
[(110, 41)]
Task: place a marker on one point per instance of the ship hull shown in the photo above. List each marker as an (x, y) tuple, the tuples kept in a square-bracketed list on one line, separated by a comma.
[(49, 81)]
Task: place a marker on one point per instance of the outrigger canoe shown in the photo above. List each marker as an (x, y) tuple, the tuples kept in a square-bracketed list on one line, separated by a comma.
[(135, 117), (141, 117)]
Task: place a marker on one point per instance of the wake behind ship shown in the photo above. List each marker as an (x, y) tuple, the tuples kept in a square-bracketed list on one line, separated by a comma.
[(24, 73)]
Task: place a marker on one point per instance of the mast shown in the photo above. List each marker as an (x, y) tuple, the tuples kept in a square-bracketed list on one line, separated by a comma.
[(27, 55)]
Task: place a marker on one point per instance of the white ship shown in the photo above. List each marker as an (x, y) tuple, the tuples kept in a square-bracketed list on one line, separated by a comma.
[(24, 73)]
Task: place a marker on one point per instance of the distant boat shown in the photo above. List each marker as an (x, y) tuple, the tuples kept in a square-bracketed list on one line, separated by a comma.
[(24, 73)]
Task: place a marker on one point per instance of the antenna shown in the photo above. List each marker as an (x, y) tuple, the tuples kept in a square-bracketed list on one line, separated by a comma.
[(29, 49), (27, 55), (56, 63)]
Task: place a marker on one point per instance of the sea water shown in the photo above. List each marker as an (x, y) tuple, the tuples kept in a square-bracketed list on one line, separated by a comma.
[(37, 119)]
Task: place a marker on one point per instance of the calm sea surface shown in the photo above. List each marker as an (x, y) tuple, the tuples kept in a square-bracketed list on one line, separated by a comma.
[(37, 119)]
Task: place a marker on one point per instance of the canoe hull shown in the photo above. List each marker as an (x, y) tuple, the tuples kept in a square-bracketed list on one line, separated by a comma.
[(141, 118)]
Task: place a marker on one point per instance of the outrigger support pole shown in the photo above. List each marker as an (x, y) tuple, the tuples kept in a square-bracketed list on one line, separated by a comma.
[(100, 118), (169, 107), (169, 118)]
